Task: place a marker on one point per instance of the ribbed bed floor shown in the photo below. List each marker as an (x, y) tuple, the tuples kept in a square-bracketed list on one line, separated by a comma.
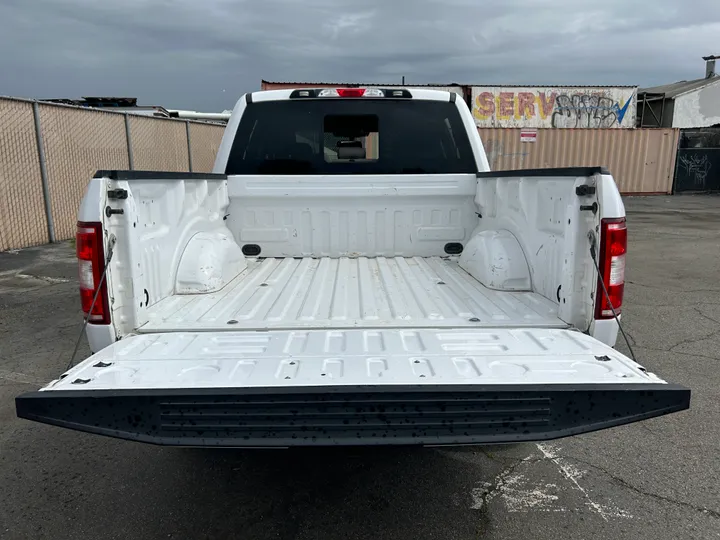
[(306, 293)]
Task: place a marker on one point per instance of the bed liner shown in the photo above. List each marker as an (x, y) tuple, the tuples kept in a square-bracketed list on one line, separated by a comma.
[(393, 292)]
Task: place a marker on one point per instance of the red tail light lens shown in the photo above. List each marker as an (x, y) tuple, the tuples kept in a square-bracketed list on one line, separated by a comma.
[(344, 93), (350, 92), (91, 263), (613, 246)]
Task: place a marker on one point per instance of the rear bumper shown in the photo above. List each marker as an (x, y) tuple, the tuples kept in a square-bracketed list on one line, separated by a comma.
[(329, 416)]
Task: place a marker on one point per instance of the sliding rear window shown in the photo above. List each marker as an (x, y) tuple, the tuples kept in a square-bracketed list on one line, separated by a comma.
[(351, 136)]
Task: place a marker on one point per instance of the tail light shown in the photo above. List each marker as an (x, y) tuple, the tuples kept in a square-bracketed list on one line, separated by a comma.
[(613, 246), (91, 264)]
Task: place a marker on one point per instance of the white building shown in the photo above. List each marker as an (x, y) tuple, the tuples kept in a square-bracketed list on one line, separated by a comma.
[(684, 104)]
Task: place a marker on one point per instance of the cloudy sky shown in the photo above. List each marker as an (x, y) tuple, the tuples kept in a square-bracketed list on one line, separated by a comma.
[(202, 54)]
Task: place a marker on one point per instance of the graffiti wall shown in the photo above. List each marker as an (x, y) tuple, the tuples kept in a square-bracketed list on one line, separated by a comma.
[(697, 170), (556, 107)]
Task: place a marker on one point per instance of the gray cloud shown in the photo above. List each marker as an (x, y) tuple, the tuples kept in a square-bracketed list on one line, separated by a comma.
[(203, 55)]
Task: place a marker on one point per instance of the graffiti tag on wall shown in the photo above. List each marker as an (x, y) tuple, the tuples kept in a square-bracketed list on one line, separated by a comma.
[(697, 167), (554, 107)]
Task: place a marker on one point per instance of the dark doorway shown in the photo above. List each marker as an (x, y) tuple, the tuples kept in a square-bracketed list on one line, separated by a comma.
[(698, 161)]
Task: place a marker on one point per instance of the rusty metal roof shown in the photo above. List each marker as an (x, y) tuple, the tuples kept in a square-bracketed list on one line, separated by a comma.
[(681, 87)]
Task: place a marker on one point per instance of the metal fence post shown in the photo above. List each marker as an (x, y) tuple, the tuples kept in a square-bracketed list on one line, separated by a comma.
[(187, 133), (43, 173), (129, 143), (673, 182)]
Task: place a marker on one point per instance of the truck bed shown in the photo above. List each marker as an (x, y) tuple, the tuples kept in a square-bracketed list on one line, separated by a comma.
[(289, 293)]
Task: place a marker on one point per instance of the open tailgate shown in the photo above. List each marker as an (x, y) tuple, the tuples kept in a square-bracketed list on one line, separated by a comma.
[(352, 387)]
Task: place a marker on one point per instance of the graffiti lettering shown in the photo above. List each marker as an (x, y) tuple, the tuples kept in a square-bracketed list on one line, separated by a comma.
[(485, 105), (506, 105), (495, 150), (587, 111), (696, 166), (526, 105), (546, 104), (585, 108)]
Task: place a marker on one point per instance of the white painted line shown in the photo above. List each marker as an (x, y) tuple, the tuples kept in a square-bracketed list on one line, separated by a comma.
[(43, 278), (517, 493), (573, 474), (521, 494), (21, 378)]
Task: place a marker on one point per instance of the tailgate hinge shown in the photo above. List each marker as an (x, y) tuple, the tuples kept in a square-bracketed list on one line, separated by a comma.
[(117, 194), (585, 190)]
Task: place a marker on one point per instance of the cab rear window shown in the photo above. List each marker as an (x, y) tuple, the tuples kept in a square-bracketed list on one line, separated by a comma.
[(351, 136)]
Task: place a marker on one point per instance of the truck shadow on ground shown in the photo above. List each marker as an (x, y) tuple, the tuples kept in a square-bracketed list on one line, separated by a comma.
[(71, 485), (335, 493)]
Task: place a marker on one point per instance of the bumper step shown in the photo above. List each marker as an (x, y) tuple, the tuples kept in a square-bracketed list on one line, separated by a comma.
[(341, 415)]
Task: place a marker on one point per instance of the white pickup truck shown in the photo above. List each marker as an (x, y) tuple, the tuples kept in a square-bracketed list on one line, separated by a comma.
[(351, 273)]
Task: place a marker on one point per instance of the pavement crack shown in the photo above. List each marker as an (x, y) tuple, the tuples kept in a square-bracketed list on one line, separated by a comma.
[(487, 454), (493, 457), (673, 305), (668, 289), (605, 512), (645, 347), (646, 428), (624, 483), (708, 317), (482, 496), (691, 341)]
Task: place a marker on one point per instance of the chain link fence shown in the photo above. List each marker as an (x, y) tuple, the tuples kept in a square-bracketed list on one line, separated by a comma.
[(205, 144), (49, 152), (158, 145), (22, 209), (77, 145)]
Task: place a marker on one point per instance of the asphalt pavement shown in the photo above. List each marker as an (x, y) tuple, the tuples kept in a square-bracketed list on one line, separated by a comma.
[(658, 479)]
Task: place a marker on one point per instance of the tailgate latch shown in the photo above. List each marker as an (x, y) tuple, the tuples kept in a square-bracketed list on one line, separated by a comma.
[(117, 194), (585, 190)]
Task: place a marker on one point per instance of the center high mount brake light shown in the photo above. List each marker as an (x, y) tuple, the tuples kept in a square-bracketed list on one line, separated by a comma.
[(351, 93)]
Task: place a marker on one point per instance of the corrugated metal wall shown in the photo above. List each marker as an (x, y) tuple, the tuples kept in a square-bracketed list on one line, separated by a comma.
[(640, 160)]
